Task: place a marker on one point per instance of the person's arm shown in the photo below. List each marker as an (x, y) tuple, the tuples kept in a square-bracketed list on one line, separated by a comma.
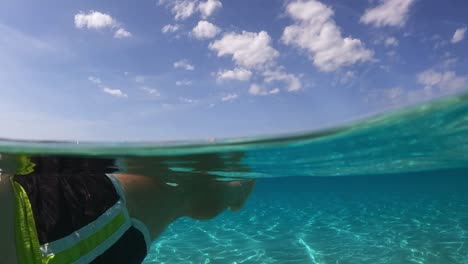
[(151, 202), (7, 224), (157, 204)]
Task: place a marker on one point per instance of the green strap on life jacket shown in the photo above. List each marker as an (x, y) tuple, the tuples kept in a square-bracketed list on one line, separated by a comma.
[(86, 246), (27, 241)]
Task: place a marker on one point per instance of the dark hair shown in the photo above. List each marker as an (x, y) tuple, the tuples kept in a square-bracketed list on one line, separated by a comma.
[(67, 193)]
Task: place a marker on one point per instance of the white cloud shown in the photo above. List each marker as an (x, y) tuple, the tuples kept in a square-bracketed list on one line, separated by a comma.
[(151, 91), (98, 20), (248, 49), (459, 35), (399, 96), (391, 42), (181, 9), (239, 74), (293, 82), (95, 80), (183, 83), (256, 89), (447, 80), (253, 53), (274, 91), (316, 32), (205, 30), (209, 7), (114, 92), (94, 20), (388, 13), (229, 98), (184, 64), (170, 28), (122, 33)]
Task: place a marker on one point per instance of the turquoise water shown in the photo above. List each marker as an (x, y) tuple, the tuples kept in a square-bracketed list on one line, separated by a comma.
[(389, 189), (406, 218)]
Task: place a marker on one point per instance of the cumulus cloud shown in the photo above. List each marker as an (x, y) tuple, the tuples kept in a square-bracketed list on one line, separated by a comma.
[(114, 92), (445, 80), (122, 33), (205, 30), (98, 20), (256, 89), (229, 98), (170, 28), (209, 7), (388, 13), (248, 49), (442, 82), (391, 42), (399, 96), (253, 54), (239, 74), (316, 32), (434, 84), (292, 81), (183, 9), (94, 20), (459, 35), (184, 64), (183, 83)]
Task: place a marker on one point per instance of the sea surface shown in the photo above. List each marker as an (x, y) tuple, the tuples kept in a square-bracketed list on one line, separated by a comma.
[(392, 188)]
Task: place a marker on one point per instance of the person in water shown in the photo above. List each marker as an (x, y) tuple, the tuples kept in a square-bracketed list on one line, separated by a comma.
[(76, 210)]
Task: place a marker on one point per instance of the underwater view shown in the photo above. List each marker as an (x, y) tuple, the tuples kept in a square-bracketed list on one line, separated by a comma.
[(402, 218), (389, 189)]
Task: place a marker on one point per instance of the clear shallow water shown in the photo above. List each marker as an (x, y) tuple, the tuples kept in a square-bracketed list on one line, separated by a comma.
[(406, 218), (402, 197)]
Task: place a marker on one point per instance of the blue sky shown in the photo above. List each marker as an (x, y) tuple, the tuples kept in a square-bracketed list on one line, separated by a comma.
[(199, 69)]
